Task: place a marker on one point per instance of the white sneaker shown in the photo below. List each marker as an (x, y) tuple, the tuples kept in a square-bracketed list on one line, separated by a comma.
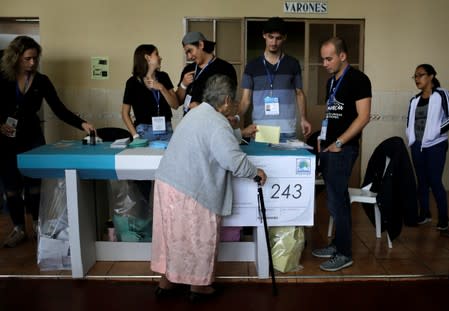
[(424, 220), (16, 236)]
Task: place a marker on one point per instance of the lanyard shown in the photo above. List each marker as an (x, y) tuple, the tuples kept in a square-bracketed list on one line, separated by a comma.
[(157, 97), (333, 91), (196, 76), (20, 94), (27, 82), (270, 76)]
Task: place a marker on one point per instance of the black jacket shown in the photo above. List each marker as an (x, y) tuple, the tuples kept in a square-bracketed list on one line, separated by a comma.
[(25, 109), (396, 189)]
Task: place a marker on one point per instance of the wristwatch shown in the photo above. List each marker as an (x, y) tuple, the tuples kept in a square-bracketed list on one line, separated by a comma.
[(338, 143)]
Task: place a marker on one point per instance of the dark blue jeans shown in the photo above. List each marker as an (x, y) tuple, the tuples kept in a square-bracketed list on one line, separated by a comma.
[(146, 131), (336, 168), (429, 166)]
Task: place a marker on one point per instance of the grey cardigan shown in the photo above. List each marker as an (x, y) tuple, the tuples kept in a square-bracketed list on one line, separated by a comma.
[(201, 158)]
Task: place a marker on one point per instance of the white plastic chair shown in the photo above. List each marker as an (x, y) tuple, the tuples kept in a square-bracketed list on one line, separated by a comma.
[(364, 195)]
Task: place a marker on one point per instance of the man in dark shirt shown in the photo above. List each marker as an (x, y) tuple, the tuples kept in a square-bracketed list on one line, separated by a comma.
[(204, 64), (348, 112)]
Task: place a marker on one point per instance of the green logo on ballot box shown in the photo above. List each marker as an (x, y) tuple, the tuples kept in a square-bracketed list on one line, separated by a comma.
[(303, 166)]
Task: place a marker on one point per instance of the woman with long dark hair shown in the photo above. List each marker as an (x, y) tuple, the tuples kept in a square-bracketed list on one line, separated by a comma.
[(149, 93)]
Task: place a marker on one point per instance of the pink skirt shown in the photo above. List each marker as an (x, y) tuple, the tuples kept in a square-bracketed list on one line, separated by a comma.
[(185, 237)]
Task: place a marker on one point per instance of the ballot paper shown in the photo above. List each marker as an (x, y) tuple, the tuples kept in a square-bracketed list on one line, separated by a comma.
[(120, 143), (268, 134)]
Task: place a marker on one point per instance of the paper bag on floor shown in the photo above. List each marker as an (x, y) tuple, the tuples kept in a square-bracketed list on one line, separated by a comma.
[(287, 244)]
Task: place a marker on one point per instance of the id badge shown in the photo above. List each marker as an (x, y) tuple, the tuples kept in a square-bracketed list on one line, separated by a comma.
[(323, 130), (271, 106), (158, 124), (187, 101), (13, 123)]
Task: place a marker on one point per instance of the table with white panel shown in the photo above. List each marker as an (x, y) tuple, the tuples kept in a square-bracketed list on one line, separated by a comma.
[(288, 196)]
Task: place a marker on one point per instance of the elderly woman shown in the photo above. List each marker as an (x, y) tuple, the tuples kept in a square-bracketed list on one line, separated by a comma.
[(193, 190)]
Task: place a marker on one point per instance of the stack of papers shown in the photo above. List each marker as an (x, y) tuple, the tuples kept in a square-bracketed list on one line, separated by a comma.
[(291, 144), (120, 143), (139, 142)]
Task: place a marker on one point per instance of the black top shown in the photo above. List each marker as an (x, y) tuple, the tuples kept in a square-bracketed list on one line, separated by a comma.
[(354, 86), (196, 88), (25, 108), (143, 100)]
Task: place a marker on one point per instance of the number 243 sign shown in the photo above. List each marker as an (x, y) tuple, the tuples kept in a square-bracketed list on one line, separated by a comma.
[(278, 192)]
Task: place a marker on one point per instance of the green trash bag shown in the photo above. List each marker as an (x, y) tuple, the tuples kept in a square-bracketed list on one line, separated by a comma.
[(287, 244), (132, 213), (132, 229)]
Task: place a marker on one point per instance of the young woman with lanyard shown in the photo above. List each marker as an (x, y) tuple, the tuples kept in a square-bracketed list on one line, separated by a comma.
[(204, 64), (150, 95)]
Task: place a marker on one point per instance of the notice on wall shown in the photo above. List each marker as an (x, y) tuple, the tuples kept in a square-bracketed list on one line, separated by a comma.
[(99, 67)]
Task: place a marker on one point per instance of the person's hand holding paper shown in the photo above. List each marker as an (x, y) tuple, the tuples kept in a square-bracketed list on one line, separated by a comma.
[(268, 134)]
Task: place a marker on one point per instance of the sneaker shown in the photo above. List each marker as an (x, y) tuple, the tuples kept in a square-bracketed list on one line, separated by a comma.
[(326, 252), (336, 263), (16, 236), (442, 225), (424, 220)]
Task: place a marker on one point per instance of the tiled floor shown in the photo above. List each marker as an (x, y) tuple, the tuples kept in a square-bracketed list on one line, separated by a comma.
[(419, 252)]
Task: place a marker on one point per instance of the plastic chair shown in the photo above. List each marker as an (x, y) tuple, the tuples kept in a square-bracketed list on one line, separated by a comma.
[(113, 133), (364, 195)]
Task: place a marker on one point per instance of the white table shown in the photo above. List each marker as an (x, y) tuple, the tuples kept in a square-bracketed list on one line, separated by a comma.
[(289, 196)]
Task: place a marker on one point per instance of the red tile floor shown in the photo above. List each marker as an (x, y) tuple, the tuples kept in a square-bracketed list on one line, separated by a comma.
[(418, 253)]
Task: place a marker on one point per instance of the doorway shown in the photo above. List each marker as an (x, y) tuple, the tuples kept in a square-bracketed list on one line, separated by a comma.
[(303, 42), (11, 27)]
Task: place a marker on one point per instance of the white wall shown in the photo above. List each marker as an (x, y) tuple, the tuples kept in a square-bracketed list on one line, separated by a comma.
[(399, 35)]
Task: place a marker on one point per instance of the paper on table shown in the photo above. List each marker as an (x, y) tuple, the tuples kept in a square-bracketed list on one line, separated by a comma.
[(268, 134), (139, 142), (120, 143)]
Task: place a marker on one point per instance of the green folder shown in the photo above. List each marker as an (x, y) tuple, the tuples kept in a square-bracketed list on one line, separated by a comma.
[(139, 142)]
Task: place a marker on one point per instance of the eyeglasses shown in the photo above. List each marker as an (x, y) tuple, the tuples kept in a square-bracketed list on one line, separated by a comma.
[(418, 75)]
